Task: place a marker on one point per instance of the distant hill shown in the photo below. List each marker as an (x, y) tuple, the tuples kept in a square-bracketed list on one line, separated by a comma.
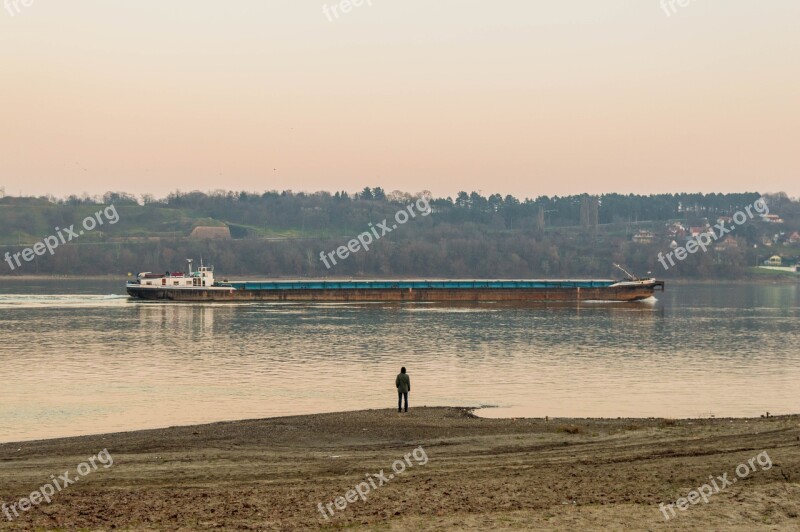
[(283, 233)]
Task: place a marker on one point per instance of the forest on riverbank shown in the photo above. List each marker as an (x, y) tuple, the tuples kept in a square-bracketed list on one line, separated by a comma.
[(467, 236)]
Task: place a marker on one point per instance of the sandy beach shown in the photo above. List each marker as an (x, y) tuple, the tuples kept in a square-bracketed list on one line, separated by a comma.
[(430, 469)]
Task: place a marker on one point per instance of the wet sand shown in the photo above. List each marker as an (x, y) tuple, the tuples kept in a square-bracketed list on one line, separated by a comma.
[(467, 473)]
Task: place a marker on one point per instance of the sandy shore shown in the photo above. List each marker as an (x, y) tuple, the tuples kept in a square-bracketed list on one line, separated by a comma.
[(454, 471)]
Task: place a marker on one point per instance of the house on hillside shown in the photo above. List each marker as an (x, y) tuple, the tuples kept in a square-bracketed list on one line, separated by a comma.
[(772, 218), (694, 232), (676, 230), (729, 244), (644, 237), (794, 238)]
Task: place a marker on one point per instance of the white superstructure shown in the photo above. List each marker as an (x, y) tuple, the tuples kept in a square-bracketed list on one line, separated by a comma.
[(203, 277)]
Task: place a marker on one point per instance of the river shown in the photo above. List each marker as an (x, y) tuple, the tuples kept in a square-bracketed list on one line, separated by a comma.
[(80, 357)]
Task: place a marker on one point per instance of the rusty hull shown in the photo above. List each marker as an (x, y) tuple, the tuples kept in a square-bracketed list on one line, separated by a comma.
[(423, 295)]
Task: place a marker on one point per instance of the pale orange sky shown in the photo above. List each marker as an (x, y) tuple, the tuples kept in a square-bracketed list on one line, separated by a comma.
[(525, 97)]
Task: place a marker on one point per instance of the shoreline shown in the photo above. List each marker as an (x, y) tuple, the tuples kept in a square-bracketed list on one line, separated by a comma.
[(470, 411), (479, 473), (64, 277)]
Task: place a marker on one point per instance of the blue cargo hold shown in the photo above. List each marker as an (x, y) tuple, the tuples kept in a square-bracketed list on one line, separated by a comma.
[(415, 285)]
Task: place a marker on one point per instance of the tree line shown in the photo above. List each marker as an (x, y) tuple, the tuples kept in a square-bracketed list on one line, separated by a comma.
[(281, 233)]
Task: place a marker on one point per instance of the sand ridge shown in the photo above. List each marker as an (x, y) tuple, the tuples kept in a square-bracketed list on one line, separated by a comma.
[(480, 474)]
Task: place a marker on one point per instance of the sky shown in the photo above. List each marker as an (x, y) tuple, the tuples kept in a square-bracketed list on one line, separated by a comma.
[(522, 97)]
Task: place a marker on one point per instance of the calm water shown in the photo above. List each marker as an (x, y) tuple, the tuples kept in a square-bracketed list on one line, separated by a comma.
[(78, 357)]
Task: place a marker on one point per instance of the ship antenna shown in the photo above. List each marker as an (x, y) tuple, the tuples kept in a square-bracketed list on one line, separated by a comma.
[(630, 275)]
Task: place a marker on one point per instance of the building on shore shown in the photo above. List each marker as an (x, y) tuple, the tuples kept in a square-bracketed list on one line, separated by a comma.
[(210, 232)]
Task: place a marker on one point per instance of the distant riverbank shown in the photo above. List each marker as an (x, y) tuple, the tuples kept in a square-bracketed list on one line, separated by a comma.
[(122, 278)]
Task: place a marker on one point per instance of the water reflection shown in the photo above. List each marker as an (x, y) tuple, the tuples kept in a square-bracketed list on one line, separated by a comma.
[(193, 320), (88, 363)]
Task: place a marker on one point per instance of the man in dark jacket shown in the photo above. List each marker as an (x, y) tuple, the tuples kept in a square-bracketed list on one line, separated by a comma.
[(403, 384)]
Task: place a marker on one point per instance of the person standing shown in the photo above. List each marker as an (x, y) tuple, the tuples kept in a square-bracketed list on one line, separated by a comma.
[(403, 383)]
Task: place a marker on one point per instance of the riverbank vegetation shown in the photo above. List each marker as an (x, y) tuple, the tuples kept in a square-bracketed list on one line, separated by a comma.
[(468, 235)]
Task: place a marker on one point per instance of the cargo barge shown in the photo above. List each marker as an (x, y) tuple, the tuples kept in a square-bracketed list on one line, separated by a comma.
[(200, 285)]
